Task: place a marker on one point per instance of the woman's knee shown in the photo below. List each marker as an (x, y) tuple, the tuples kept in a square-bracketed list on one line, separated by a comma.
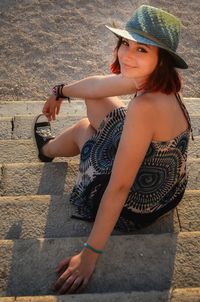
[(97, 109), (84, 123), (84, 131)]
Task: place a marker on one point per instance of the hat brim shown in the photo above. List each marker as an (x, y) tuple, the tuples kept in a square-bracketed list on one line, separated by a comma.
[(179, 62)]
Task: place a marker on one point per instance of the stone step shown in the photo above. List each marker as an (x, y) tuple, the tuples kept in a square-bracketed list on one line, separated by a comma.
[(12, 108), (38, 178), (16, 117), (76, 107), (20, 127), (44, 216), (172, 295), (26, 217), (129, 263), (189, 211), (23, 150), (57, 178)]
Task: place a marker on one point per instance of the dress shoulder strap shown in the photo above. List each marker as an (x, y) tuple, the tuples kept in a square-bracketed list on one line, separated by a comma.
[(185, 111)]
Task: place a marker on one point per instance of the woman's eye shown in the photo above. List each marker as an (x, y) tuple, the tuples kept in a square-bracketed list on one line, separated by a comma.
[(125, 42), (141, 49)]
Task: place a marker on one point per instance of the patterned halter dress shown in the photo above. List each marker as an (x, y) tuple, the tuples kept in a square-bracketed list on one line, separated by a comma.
[(158, 187)]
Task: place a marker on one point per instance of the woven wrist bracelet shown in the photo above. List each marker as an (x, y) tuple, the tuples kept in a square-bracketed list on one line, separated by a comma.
[(57, 91), (92, 248)]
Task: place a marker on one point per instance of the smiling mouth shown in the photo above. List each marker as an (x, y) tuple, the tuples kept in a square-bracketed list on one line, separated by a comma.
[(128, 66)]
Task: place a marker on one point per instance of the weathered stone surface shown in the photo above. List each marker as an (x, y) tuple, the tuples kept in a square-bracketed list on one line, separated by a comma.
[(23, 150), (194, 148), (5, 127), (176, 295), (58, 178), (39, 216), (23, 125), (50, 217), (13, 151), (195, 121), (194, 174), (193, 105), (5, 265), (11, 108), (7, 299), (1, 174), (187, 259), (130, 263), (151, 296), (20, 127), (189, 211), (185, 295), (38, 178)]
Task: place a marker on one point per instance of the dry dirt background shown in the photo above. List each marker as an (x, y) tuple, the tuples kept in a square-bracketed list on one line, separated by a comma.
[(48, 42)]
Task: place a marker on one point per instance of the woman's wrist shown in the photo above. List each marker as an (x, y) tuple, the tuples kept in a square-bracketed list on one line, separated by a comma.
[(93, 249), (90, 253), (57, 90)]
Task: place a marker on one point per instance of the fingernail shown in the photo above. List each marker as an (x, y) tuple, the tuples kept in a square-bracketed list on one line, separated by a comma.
[(52, 287)]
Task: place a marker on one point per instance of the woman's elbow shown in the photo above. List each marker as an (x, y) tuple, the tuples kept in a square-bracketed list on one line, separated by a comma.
[(120, 188)]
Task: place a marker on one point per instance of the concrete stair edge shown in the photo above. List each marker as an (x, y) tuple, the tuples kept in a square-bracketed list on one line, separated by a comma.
[(173, 295), (24, 151), (183, 234), (13, 108), (21, 126), (57, 177)]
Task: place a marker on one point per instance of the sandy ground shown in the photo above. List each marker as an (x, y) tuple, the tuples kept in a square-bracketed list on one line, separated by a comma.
[(45, 42)]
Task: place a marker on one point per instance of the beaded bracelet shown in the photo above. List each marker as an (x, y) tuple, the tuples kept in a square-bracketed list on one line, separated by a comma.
[(57, 91), (92, 248)]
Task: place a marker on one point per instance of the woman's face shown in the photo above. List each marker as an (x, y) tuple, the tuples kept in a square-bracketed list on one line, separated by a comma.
[(137, 60)]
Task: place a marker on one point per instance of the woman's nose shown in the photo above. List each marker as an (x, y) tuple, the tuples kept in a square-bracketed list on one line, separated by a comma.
[(130, 53)]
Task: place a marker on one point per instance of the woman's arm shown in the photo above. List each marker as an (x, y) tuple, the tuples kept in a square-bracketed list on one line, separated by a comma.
[(136, 137), (95, 87)]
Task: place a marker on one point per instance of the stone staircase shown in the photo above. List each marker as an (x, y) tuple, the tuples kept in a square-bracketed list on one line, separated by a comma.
[(158, 263)]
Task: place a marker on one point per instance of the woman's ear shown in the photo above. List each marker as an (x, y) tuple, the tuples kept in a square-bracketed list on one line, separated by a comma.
[(115, 53)]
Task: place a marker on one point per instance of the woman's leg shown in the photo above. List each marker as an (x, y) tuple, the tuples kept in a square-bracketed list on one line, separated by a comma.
[(72, 139), (99, 108)]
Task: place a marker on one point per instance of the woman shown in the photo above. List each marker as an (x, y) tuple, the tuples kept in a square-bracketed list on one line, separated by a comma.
[(132, 160)]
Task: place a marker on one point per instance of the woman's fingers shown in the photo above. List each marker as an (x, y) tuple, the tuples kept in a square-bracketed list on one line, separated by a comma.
[(53, 114), (61, 280), (58, 108), (70, 284), (74, 287), (82, 286), (51, 108), (62, 265)]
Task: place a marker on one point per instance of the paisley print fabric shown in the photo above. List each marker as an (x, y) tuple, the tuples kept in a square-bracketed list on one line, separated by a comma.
[(159, 185)]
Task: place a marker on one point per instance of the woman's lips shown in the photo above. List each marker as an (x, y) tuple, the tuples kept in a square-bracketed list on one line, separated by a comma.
[(128, 66)]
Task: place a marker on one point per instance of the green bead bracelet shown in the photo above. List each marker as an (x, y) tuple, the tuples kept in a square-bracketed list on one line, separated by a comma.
[(92, 248)]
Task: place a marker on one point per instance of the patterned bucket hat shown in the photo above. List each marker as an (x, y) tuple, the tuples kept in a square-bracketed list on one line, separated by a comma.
[(153, 26)]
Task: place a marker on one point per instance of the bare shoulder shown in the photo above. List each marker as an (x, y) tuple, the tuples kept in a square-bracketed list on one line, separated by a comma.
[(143, 105)]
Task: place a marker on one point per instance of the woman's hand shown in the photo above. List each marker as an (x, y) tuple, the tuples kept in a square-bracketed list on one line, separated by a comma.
[(51, 108), (74, 273)]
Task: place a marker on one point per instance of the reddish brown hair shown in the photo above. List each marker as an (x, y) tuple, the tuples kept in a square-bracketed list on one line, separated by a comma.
[(164, 78)]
